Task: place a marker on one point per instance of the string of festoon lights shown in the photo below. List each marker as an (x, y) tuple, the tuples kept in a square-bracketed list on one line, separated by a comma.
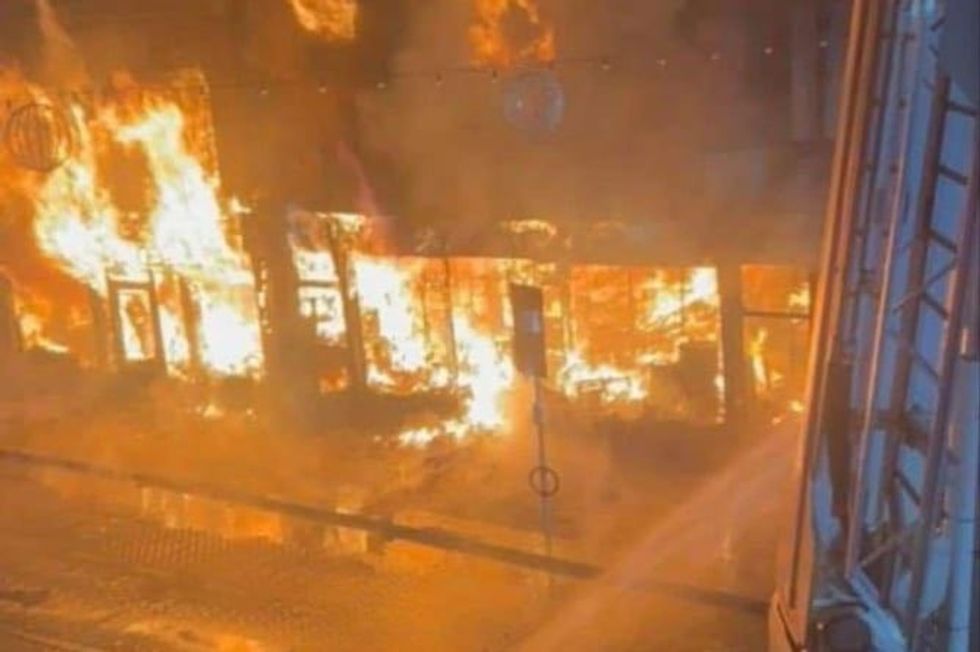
[(437, 77)]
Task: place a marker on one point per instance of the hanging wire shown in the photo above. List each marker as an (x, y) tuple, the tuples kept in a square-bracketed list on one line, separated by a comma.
[(265, 87)]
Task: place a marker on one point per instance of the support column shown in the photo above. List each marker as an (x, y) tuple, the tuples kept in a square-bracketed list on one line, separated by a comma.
[(101, 335), (116, 326), (10, 337), (288, 345), (357, 365), (732, 344), (191, 319), (160, 361)]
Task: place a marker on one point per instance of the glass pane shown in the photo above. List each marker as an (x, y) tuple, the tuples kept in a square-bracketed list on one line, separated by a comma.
[(776, 351), (776, 289)]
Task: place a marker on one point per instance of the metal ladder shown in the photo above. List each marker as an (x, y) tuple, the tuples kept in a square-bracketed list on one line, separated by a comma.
[(917, 343)]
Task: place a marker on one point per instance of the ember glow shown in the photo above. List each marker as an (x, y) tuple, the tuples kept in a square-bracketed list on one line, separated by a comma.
[(617, 385), (510, 32), (331, 20)]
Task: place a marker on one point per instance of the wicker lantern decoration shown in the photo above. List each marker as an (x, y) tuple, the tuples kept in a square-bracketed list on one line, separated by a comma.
[(40, 136)]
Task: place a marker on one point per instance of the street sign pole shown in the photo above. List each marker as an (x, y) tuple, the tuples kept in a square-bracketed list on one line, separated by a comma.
[(530, 360), (547, 482)]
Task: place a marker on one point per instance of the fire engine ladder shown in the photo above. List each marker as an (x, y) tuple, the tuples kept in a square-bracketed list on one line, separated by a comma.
[(923, 283)]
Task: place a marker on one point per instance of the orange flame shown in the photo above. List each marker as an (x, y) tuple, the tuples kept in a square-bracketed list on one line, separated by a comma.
[(331, 20), (674, 313), (486, 375), (388, 291), (510, 32), (402, 358), (385, 289), (80, 227)]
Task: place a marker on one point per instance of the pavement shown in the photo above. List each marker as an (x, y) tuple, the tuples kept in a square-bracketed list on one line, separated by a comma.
[(98, 563)]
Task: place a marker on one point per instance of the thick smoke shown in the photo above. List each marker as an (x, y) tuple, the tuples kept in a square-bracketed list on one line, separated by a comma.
[(637, 137), (61, 62)]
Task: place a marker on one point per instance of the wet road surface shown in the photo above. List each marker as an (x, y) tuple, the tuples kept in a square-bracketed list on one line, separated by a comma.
[(89, 564)]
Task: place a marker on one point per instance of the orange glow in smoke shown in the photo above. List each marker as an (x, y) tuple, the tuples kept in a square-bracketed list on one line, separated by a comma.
[(331, 20), (510, 32)]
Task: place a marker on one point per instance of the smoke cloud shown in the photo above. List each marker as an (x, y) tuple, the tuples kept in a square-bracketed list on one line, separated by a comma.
[(61, 63), (635, 138)]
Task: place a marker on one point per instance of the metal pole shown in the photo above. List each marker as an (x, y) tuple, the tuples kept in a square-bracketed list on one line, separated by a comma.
[(543, 493), (853, 104), (934, 485), (963, 508)]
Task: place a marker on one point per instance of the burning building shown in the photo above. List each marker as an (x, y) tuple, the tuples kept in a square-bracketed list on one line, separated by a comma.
[(122, 188)]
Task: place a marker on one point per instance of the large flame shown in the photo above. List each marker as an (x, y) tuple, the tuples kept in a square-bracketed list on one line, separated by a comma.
[(403, 356), (79, 225), (511, 32), (331, 20), (671, 308), (485, 376), (386, 292), (406, 350)]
